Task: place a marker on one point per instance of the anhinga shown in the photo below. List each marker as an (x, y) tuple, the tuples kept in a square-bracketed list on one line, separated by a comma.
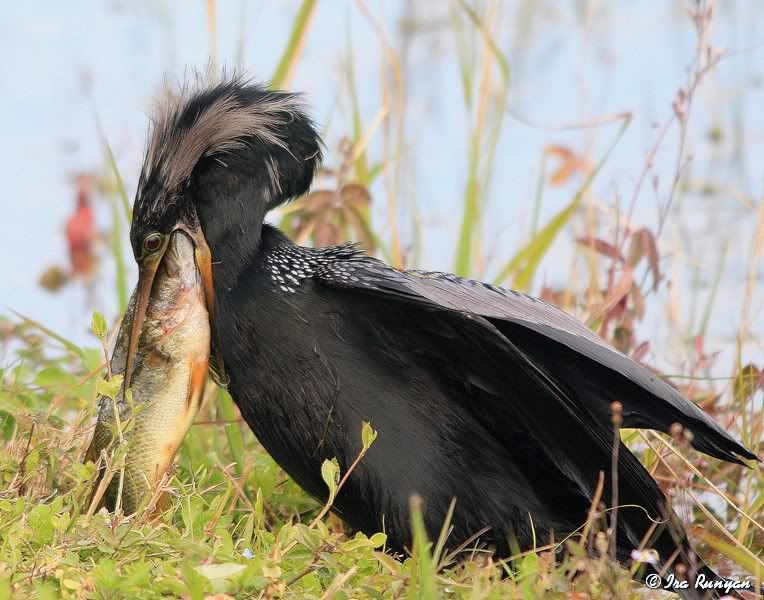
[(479, 393)]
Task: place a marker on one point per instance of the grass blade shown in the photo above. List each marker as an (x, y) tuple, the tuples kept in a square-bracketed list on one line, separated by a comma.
[(734, 553), (289, 59), (483, 139), (116, 246), (232, 431), (70, 346), (361, 165), (497, 53), (119, 258), (423, 585), (115, 171)]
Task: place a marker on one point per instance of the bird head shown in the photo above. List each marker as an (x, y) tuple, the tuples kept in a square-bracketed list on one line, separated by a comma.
[(219, 156)]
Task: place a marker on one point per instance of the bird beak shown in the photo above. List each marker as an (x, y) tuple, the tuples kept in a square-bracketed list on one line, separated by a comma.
[(147, 271), (203, 257)]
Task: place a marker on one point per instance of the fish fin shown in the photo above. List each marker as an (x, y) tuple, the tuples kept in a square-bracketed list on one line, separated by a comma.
[(199, 368)]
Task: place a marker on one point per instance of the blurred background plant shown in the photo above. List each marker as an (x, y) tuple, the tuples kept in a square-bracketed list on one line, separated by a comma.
[(601, 155)]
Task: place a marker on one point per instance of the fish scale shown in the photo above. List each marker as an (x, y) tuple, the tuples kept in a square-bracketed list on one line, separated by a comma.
[(166, 383)]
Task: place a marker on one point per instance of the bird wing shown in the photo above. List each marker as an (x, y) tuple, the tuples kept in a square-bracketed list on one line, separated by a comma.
[(594, 372), (519, 401)]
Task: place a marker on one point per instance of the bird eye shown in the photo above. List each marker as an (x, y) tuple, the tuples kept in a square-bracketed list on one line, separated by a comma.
[(152, 242)]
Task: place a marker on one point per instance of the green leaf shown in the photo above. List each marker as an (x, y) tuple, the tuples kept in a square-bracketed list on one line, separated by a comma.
[(330, 473), (92, 358), (106, 576), (484, 136), (361, 541), (368, 435), (32, 460), (40, 523), (44, 590), (116, 237), (497, 53), (169, 586), (738, 554), (310, 538), (196, 583), (53, 377), (259, 515), (221, 571), (111, 387), (98, 326), (361, 166)]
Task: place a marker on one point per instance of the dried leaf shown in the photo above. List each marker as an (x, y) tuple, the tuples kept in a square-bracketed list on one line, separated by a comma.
[(353, 194), (319, 202), (571, 164), (326, 233), (601, 246), (641, 351), (54, 278), (638, 302), (622, 339), (554, 296), (643, 244), (698, 344), (361, 229), (747, 382), (614, 303)]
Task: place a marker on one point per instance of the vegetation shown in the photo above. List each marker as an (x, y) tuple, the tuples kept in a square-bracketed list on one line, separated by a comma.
[(239, 527)]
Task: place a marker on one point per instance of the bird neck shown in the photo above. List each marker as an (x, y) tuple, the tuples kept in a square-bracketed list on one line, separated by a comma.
[(231, 212), (233, 247)]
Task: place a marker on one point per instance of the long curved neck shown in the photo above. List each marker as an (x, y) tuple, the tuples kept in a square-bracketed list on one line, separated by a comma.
[(231, 214)]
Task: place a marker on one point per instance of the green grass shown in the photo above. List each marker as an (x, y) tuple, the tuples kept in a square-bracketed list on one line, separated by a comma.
[(245, 530), (238, 526)]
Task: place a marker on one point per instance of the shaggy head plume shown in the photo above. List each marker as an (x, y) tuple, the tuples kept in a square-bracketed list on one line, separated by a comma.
[(234, 125)]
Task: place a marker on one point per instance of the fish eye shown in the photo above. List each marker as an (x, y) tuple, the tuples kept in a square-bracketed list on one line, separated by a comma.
[(152, 242)]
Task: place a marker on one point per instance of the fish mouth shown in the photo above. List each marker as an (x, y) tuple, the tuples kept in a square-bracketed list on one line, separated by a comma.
[(179, 254), (178, 247)]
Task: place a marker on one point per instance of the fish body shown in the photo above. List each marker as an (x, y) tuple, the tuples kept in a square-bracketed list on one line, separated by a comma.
[(167, 380)]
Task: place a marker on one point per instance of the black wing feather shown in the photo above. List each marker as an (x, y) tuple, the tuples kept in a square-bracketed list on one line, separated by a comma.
[(649, 402), (564, 441)]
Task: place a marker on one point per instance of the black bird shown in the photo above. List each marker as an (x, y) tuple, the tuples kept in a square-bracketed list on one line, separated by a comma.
[(479, 393)]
